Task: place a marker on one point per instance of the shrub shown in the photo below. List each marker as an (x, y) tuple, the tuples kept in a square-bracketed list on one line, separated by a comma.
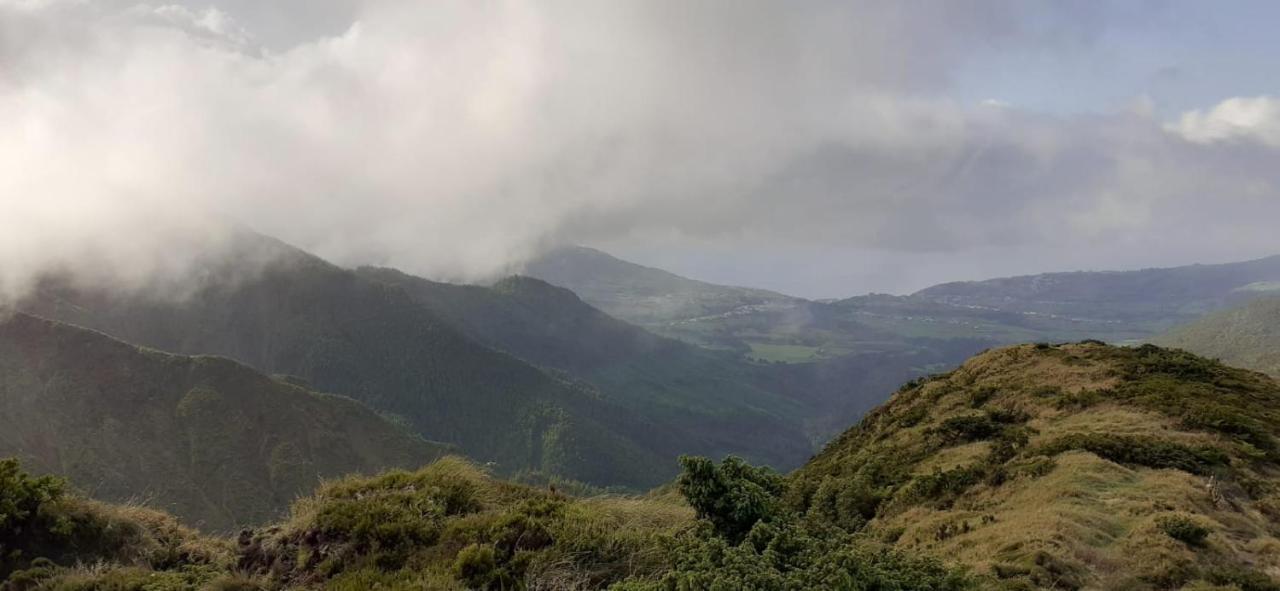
[(1184, 529), (965, 428), (980, 396), (732, 496), (1140, 451), (477, 566), (788, 554), (21, 499), (1245, 579), (941, 487), (913, 416)]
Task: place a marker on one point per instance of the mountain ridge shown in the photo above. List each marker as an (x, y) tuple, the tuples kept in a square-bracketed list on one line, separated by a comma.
[(204, 437)]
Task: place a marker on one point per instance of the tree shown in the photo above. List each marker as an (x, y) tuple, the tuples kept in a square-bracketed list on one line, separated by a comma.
[(733, 496)]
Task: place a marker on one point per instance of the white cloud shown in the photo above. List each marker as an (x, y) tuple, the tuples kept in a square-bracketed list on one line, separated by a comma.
[(1253, 118), (454, 138)]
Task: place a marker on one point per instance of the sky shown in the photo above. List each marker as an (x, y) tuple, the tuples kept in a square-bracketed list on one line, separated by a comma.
[(822, 149)]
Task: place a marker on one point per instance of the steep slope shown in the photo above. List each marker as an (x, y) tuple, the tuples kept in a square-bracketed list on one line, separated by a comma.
[(721, 404), (1149, 300), (1246, 336), (1071, 467), (645, 295), (208, 439), (291, 313)]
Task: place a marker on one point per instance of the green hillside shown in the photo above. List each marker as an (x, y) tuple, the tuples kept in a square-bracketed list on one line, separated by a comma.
[(284, 311), (725, 405), (1072, 467), (738, 406), (426, 356), (207, 439), (1246, 336)]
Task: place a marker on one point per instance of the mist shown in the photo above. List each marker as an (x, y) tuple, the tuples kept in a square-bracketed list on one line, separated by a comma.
[(456, 139)]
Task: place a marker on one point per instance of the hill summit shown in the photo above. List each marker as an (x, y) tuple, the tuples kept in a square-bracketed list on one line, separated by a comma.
[(1071, 466)]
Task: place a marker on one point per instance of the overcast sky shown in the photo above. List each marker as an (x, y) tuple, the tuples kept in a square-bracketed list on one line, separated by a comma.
[(817, 148)]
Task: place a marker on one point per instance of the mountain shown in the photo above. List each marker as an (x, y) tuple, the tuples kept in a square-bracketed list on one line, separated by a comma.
[(1246, 336), (1069, 467), (1115, 306), (284, 311), (208, 439), (645, 295), (733, 404), (1137, 302), (726, 404), (1079, 466), (753, 323)]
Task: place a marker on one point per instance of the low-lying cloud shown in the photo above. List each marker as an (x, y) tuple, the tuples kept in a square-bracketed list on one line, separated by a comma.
[(453, 139)]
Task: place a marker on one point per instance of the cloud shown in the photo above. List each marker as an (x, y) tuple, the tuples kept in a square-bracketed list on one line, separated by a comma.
[(456, 138), (1237, 118)]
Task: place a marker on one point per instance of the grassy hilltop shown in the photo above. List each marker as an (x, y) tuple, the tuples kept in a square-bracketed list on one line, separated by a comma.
[(1074, 466)]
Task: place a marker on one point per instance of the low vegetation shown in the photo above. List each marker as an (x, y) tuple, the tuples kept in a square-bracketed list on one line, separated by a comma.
[(1070, 467), (997, 484)]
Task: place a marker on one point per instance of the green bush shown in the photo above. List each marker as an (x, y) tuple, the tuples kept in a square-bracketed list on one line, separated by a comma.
[(732, 496), (21, 499), (789, 554), (1140, 451), (965, 428), (1184, 529)]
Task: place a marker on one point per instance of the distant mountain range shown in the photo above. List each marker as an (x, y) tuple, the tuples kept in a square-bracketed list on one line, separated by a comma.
[(206, 438), (1145, 301), (1116, 306)]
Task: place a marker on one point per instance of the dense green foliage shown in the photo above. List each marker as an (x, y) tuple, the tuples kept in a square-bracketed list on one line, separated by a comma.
[(749, 540), (208, 439), (732, 496)]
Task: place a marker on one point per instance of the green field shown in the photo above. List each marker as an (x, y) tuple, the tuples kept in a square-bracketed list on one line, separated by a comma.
[(792, 353)]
